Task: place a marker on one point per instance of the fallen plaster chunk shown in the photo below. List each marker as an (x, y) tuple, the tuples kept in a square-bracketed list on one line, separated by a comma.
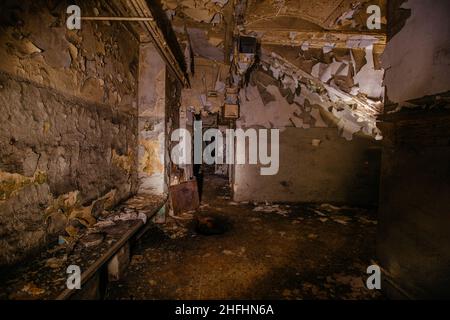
[(130, 216), (316, 142)]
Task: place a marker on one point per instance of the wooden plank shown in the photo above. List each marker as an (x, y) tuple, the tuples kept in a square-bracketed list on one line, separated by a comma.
[(93, 268)]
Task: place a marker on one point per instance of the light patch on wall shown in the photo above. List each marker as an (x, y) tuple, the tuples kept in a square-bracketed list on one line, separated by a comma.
[(11, 183), (410, 56), (123, 161), (150, 162)]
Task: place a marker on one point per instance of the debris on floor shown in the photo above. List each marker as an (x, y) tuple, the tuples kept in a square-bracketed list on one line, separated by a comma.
[(48, 269), (293, 255), (282, 210)]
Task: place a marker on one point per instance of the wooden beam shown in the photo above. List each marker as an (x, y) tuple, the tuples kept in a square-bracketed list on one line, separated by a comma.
[(169, 50), (315, 39)]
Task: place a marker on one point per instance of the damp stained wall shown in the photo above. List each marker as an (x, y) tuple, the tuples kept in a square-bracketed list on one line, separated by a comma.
[(159, 100), (68, 134), (152, 121)]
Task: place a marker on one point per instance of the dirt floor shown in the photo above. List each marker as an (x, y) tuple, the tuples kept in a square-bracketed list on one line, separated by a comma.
[(268, 252)]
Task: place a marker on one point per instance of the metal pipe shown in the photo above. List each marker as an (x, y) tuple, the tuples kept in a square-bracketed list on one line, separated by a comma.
[(142, 10)]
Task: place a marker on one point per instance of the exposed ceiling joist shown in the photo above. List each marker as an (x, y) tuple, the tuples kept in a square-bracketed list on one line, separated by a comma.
[(315, 39)]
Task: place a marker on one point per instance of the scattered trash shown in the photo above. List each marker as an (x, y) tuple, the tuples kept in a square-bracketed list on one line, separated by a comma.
[(130, 216), (104, 223), (341, 220), (272, 208)]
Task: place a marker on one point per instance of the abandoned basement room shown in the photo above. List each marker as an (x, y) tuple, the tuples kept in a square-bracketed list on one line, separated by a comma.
[(224, 150)]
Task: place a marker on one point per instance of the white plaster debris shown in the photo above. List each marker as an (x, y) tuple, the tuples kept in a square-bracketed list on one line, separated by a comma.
[(130, 215), (275, 208), (325, 72), (360, 112)]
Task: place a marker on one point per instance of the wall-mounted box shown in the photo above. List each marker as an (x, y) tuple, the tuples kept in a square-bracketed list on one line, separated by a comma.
[(231, 111)]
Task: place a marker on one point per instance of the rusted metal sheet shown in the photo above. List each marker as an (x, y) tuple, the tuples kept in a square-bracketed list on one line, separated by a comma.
[(184, 197)]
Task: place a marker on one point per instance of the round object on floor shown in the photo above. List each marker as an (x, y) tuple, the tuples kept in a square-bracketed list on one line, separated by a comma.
[(210, 225)]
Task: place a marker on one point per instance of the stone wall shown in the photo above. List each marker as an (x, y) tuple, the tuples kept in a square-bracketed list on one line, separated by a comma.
[(68, 134)]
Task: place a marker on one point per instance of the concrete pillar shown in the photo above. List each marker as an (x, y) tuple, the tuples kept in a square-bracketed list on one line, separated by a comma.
[(152, 121)]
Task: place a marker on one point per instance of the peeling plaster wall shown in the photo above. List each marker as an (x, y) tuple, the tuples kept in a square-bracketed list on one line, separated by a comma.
[(336, 170), (68, 134), (417, 58), (159, 100), (209, 75)]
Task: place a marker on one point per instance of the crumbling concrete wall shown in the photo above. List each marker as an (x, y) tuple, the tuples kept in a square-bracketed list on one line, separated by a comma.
[(316, 165), (152, 121), (68, 139)]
